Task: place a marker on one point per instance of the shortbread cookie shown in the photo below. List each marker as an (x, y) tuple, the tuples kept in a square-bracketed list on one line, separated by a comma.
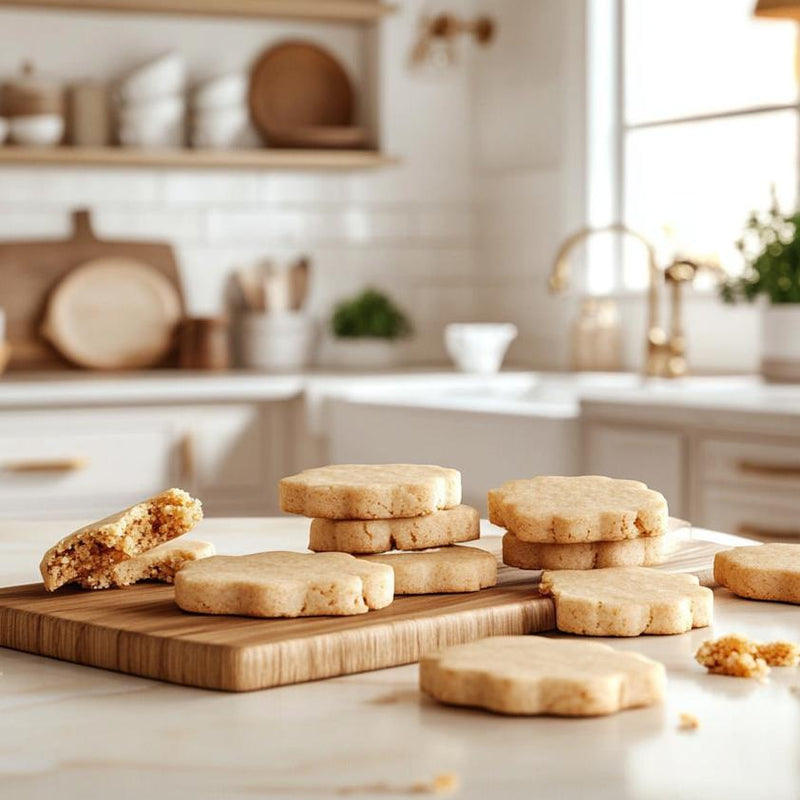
[(370, 491), (451, 525), (761, 572), (159, 564), (283, 584), (642, 552), (88, 555), (536, 675), (449, 569), (588, 508), (627, 601)]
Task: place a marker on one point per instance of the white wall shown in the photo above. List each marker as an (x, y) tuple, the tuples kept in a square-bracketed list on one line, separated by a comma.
[(405, 229)]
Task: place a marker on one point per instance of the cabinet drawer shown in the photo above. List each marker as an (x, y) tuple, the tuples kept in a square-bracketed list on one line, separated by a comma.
[(755, 513), (750, 463)]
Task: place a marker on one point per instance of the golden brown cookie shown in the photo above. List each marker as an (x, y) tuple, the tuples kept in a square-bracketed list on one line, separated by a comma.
[(587, 508), (645, 551), (88, 555), (370, 491), (284, 584), (761, 572), (449, 569), (159, 564), (627, 601), (449, 526), (536, 675)]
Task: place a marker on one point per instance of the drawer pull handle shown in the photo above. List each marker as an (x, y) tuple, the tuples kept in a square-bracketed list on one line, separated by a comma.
[(774, 470), (757, 532), (50, 465)]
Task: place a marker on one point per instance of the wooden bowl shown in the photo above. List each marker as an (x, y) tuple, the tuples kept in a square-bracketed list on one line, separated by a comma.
[(298, 85)]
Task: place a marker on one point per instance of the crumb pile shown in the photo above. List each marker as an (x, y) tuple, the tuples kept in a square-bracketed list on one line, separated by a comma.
[(738, 656)]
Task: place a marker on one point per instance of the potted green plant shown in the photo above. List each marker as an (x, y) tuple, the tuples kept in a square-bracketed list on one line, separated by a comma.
[(366, 330), (771, 247)]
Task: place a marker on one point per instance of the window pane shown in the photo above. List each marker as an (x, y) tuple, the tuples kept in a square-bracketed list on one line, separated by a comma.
[(687, 57), (702, 180)]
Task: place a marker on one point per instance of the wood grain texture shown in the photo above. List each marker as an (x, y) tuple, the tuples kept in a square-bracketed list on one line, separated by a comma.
[(330, 10), (139, 630), (30, 271), (192, 158)]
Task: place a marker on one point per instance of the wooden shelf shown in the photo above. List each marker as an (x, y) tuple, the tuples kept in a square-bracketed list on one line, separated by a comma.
[(329, 10), (191, 159)]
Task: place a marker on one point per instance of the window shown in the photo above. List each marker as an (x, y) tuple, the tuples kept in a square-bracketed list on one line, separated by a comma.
[(693, 117)]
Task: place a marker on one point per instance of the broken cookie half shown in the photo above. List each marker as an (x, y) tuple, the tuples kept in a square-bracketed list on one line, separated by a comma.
[(90, 555)]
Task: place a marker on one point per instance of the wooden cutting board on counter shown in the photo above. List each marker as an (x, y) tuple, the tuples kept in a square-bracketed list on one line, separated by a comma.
[(139, 630), (30, 271)]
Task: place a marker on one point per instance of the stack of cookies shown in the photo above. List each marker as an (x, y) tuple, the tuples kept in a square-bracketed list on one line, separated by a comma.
[(584, 522), (370, 509)]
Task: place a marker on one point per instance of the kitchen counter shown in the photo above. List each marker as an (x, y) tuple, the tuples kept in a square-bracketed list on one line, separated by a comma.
[(70, 731)]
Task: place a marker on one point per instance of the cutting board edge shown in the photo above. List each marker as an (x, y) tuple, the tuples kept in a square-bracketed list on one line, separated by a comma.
[(242, 668)]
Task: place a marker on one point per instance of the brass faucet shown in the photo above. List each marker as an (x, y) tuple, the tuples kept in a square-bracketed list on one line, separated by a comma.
[(665, 356)]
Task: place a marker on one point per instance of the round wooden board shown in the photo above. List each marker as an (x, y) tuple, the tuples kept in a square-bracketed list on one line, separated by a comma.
[(323, 137), (299, 85), (113, 313)]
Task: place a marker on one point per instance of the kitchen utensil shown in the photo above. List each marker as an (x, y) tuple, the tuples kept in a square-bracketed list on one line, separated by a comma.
[(298, 85), (141, 631), (479, 347), (38, 130), (113, 313), (29, 95), (276, 342), (276, 289), (89, 114), (330, 137), (225, 91), (251, 285), (29, 270), (299, 280), (204, 343), (160, 77)]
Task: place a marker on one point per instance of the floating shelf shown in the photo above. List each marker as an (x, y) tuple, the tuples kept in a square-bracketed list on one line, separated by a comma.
[(190, 159), (330, 10)]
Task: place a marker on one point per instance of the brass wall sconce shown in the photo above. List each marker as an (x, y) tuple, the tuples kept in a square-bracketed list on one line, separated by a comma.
[(439, 33)]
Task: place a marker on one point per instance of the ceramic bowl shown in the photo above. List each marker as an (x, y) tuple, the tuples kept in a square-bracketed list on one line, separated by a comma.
[(479, 347), (222, 128), (37, 130), (163, 76), (226, 91)]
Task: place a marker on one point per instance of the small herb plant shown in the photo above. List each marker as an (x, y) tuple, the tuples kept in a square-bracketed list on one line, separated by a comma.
[(370, 314), (771, 246)]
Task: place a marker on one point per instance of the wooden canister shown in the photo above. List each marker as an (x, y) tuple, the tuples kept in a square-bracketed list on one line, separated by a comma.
[(89, 114), (204, 343)]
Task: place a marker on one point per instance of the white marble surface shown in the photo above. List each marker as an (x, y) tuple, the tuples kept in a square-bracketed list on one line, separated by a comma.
[(68, 731)]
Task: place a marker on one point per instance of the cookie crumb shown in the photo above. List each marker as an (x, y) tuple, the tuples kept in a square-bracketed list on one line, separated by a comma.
[(688, 722), (779, 654), (446, 783), (736, 655)]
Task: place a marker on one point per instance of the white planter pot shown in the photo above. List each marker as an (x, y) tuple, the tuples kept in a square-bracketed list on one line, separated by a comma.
[(364, 353), (780, 342)]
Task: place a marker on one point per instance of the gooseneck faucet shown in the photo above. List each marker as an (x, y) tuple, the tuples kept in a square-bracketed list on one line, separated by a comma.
[(665, 356)]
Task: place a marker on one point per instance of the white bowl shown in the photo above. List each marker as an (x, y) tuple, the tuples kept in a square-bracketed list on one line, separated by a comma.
[(223, 128), (226, 91), (4, 126), (38, 130), (168, 107), (169, 136), (165, 75), (479, 347)]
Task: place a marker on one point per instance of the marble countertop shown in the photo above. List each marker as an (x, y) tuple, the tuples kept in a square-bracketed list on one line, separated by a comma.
[(75, 732)]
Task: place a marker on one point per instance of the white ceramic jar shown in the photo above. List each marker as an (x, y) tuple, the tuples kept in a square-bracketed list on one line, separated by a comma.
[(780, 342)]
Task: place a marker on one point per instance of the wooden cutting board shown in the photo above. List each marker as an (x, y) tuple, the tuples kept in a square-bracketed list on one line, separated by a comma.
[(30, 270), (140, 630)]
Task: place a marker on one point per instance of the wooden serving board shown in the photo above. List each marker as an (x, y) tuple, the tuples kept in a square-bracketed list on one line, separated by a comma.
[(139, 630), (30, 270)]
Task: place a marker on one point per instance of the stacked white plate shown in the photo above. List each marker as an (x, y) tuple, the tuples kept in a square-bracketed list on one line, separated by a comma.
[(152, 106), (220, 117)]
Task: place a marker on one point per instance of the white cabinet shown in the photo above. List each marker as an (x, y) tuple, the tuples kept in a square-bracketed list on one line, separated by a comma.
[(87, 462), (656, 457)]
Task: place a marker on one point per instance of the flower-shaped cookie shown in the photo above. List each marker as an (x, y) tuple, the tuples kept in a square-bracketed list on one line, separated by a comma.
[(761, 572)]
